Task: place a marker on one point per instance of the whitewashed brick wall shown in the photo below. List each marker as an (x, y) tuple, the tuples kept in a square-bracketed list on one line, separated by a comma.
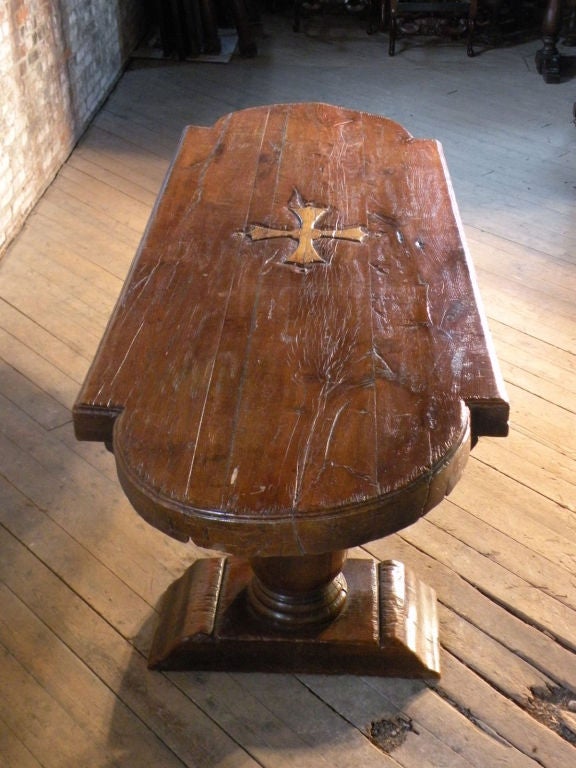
[(58, 61)]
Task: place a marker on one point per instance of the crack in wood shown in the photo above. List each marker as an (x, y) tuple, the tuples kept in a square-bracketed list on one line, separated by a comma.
[(468, 714)]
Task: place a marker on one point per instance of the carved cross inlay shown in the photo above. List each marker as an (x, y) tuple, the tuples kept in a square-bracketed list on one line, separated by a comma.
[(306, 234)]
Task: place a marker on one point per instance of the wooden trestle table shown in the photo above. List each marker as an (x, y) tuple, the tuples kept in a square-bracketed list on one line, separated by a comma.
[(298, 364)]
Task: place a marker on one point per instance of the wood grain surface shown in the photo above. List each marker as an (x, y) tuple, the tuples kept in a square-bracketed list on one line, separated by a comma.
[(244, 389), (83, 574)]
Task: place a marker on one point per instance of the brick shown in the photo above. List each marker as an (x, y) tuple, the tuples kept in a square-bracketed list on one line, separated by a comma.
[(55, 72)]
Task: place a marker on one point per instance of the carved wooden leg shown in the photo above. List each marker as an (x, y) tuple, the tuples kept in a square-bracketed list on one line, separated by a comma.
[(548, 57), (299, 615)]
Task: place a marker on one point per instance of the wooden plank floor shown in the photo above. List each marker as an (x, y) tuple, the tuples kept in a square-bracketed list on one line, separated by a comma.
[(81, 574)]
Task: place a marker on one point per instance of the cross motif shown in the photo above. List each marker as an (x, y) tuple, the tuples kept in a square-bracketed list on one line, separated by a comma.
[(306, 233)]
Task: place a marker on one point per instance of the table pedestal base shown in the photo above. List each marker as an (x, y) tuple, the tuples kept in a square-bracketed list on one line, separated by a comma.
[(388, 625)]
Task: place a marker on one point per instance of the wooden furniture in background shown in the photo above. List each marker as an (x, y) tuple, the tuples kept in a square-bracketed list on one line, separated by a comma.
[(434, 10), (297, 364), (190, 27), (370, 11), (548, 59)]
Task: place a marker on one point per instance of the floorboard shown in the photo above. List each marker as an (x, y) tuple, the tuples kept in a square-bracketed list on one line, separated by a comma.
[(81, 575)]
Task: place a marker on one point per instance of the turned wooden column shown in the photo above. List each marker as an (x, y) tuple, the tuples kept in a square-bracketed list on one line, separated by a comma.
[(292, 592)]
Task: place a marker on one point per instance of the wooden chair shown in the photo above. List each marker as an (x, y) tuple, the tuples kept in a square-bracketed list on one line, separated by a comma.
[(436, 8)]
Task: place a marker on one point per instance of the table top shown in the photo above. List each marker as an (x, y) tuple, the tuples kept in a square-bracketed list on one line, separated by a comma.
[(298, 360)]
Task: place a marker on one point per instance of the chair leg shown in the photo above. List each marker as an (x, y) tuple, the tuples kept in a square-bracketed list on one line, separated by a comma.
[(471, 27), (393, 28), (548, 57), (245, 29)]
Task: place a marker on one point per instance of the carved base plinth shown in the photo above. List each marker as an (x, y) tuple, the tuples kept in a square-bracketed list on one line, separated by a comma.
[(388, 625)]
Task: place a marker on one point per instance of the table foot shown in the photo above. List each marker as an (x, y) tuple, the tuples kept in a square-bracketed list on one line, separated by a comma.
[(548, 64), (388, 625)]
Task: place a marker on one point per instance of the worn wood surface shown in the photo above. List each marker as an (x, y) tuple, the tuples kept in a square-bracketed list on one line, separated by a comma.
[(315, 386), (82, 574), (312, 383), (387, 627)]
